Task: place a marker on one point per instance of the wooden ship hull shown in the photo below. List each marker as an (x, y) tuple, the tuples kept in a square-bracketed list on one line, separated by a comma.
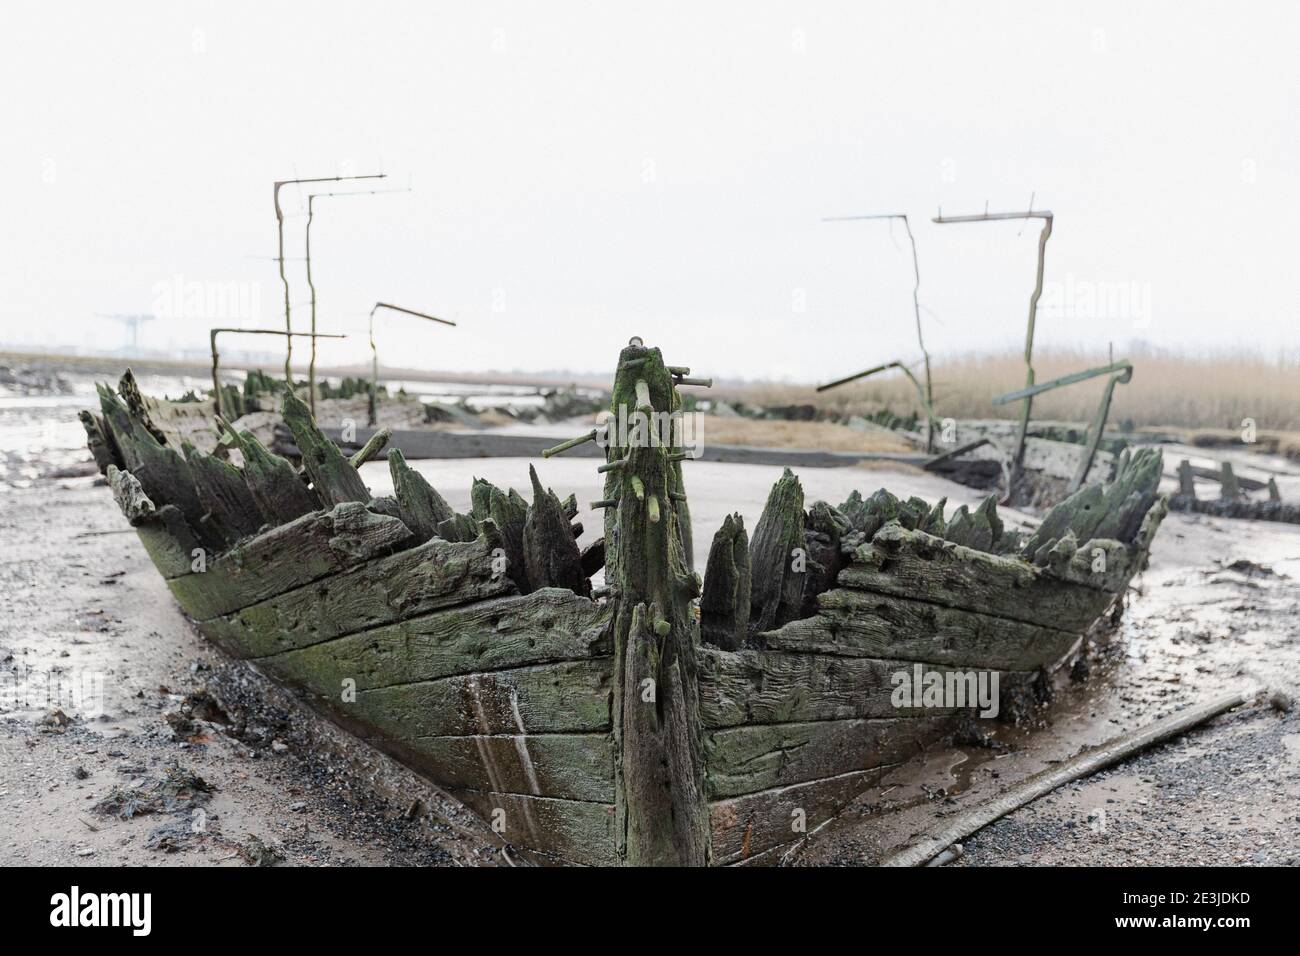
[(667, 717)]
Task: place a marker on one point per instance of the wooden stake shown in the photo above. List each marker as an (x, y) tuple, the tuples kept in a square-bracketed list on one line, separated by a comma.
[(374, 352), (1018, 454), (916, 308), (216, 358), (279, 222)]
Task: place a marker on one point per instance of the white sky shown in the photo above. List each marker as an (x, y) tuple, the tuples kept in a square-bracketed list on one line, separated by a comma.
[(586, 172)]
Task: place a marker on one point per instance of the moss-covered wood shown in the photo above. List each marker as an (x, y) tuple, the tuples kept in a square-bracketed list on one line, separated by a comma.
[(920, 566), (167, 537), (546, 626), (725, 601), (419, 581), (162, 473), (232, 512), (567, 697), (332, 476), (853, 623), (312, 547), (758, 757), (570, 766), (659, 781), (422, 507), (772, 687), (574, 831), (1115, 510), (508, 512), (280, 494), (746, 826), (98, 442), (779, 557), (551, 555)]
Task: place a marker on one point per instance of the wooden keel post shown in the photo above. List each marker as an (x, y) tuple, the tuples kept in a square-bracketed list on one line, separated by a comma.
[(661, 813)]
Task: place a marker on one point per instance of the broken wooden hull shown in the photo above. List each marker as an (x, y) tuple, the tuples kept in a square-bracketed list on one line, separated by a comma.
[(670, 719)]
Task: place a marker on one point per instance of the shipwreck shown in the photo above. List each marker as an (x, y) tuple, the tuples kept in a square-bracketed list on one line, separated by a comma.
[(664, 716)]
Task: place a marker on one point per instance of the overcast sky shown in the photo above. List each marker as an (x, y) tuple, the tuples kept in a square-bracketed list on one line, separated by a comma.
[(583, 172)]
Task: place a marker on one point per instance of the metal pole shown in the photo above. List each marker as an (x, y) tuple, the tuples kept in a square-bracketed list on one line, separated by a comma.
[(216, 358), (279, 222), (1018, 454), (916, 308), (374, 352), (311, 365)]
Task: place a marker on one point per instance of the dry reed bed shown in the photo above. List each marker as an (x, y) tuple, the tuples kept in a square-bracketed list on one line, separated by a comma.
[(1166, 391)]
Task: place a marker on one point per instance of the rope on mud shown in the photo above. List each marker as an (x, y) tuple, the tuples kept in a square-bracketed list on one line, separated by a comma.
[(1112, 752)]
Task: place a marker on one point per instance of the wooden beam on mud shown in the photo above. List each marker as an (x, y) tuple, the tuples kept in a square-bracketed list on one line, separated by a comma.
[(1098, 758)]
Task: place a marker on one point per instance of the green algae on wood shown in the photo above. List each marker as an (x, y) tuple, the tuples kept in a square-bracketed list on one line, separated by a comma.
[(661, 816), (417, 581), (422, 507), (551, 555), (275, 486), (778, 557), (311, 547), (725, 602), (332, 475)]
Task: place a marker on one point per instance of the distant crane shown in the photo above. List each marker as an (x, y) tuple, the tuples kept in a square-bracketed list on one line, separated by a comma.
[(131, 322)]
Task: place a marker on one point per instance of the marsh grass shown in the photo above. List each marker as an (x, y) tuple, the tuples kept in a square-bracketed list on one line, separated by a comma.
[(1166, 391)]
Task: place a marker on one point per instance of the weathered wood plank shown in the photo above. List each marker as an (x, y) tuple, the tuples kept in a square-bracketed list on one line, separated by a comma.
[(568, 697), (97, 440), (1116, 510), (921, 566), (164, 532), (551, 555), (771, 687), (745, 826), (546, 626), (422, 508), (776, 587), (428, 578), (288, 557), (160, 470), (853, 623), (823, 534), (574, 830), (232, 512), (742, 760), (725, 602), (509, 513), (568, 766), (280, 495), (332, 475)]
